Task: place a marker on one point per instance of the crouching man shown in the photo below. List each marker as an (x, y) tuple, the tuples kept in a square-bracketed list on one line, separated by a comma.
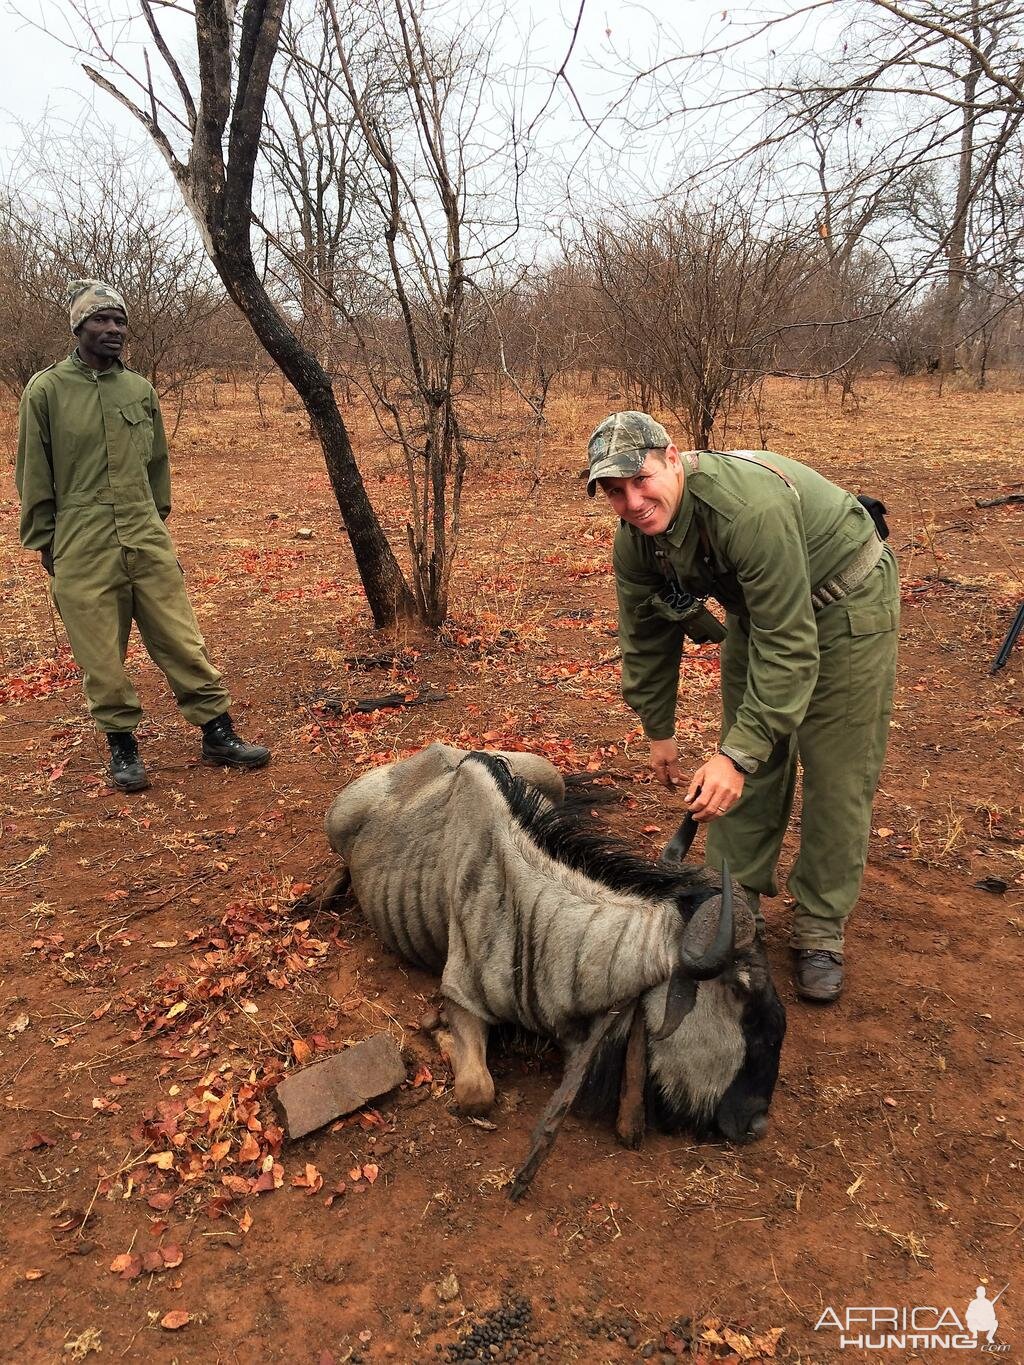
[(808, 658), (94, 481)]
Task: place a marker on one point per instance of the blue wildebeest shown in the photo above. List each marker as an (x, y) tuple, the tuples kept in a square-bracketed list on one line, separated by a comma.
[(466, 865)]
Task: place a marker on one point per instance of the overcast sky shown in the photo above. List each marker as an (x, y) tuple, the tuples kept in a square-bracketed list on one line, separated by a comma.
[(40, 79)]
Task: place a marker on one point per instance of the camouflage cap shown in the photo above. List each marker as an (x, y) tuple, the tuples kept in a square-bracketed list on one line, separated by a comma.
[(620, 444), (86, 297)]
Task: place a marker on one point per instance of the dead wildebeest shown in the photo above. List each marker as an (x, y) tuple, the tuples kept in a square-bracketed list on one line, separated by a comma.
[(467, 865)]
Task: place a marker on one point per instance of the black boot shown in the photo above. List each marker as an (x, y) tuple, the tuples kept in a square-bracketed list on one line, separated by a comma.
[(819, 974), (221, 745), (127, 771)]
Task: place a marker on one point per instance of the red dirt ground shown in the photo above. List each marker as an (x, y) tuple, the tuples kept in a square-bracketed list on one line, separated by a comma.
[(154, 979)]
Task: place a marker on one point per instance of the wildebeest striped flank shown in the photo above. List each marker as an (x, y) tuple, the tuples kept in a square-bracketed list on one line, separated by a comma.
[(465, 864)]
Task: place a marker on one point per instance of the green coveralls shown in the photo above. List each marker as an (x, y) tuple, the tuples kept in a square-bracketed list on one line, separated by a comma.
[(94, 481), (795, 682)]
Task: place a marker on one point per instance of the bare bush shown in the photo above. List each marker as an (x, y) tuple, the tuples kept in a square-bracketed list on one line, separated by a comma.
[(693, 302), (99, 210)]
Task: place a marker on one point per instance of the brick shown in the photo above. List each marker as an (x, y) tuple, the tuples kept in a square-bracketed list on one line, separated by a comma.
[(338, 1085)]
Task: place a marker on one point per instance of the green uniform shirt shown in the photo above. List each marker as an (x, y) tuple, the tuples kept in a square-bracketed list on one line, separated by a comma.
[(746, 537), (91, 440)]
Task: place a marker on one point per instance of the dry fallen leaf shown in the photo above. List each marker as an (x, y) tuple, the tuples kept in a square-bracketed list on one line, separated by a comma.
[(885, 833), (301, 1051), (176, 1318), (764, 1343), (249, 1150), (34, 1274), (739, 1342), (128, 1265)]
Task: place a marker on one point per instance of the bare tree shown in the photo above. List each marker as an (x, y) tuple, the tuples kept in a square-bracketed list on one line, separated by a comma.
[(918, 86), (694, 298), (314, 157), (33, 325), (432, 166)]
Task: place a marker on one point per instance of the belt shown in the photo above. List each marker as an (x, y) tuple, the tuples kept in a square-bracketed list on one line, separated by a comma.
[(109, 497), (850, 576)]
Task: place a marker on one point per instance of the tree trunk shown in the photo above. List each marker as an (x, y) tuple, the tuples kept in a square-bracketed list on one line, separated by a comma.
[(386, 590), (957, 270)]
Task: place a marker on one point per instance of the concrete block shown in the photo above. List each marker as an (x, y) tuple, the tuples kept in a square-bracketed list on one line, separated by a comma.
[(338, 1085)]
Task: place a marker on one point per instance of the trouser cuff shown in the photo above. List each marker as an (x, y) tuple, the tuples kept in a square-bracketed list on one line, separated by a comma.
[(812, 931), (200, 713)]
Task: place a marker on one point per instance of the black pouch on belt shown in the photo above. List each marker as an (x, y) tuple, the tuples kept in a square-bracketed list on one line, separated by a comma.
[(876, 510), (674, 603)]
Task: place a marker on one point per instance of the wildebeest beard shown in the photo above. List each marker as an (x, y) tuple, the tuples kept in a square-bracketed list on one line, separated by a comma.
[(535, 917)]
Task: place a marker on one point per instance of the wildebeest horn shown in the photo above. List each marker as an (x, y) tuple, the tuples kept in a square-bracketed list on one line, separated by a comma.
[(680, 999), (679, 845), (700, 961)]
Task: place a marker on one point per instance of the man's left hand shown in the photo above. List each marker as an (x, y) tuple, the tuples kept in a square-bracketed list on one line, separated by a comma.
[(714, 789)]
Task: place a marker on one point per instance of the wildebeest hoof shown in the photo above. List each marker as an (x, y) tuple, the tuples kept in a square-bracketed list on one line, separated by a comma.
[(475, 1098), (631, 1135)]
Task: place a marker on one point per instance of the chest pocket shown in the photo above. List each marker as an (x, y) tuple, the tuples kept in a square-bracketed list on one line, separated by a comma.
[(140, 428)]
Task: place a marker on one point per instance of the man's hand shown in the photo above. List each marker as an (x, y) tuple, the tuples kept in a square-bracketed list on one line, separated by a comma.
[(47, 559), (665, 762), (714, 789)]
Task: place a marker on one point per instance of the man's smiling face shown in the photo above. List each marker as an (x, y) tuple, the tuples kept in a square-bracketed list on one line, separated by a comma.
[(650, 499)]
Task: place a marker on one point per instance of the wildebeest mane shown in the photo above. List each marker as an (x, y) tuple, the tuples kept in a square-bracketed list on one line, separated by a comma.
[(569, 834)]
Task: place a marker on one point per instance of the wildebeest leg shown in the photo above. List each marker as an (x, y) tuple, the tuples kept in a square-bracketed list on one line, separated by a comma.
[(631, 1120), (474, 1086), (560, 1103)]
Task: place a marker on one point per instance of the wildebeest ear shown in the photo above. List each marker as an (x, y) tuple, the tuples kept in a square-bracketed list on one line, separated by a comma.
[(745, 926), (680, 999)]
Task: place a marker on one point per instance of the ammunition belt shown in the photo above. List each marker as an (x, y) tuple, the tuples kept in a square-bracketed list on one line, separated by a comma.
[(850, 576)]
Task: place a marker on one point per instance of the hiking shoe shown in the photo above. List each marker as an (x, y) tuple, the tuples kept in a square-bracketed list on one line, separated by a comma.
[(127, 771), (222, 746), (818, 973)]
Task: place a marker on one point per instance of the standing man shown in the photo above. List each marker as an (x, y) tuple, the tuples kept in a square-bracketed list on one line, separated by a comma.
[(808, 659), (94, 482)]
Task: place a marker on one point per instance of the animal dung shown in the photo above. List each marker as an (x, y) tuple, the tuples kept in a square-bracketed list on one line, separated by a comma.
[(338, 1085)]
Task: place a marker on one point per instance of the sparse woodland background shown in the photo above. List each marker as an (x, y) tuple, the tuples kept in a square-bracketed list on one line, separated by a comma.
[(378, 203)]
